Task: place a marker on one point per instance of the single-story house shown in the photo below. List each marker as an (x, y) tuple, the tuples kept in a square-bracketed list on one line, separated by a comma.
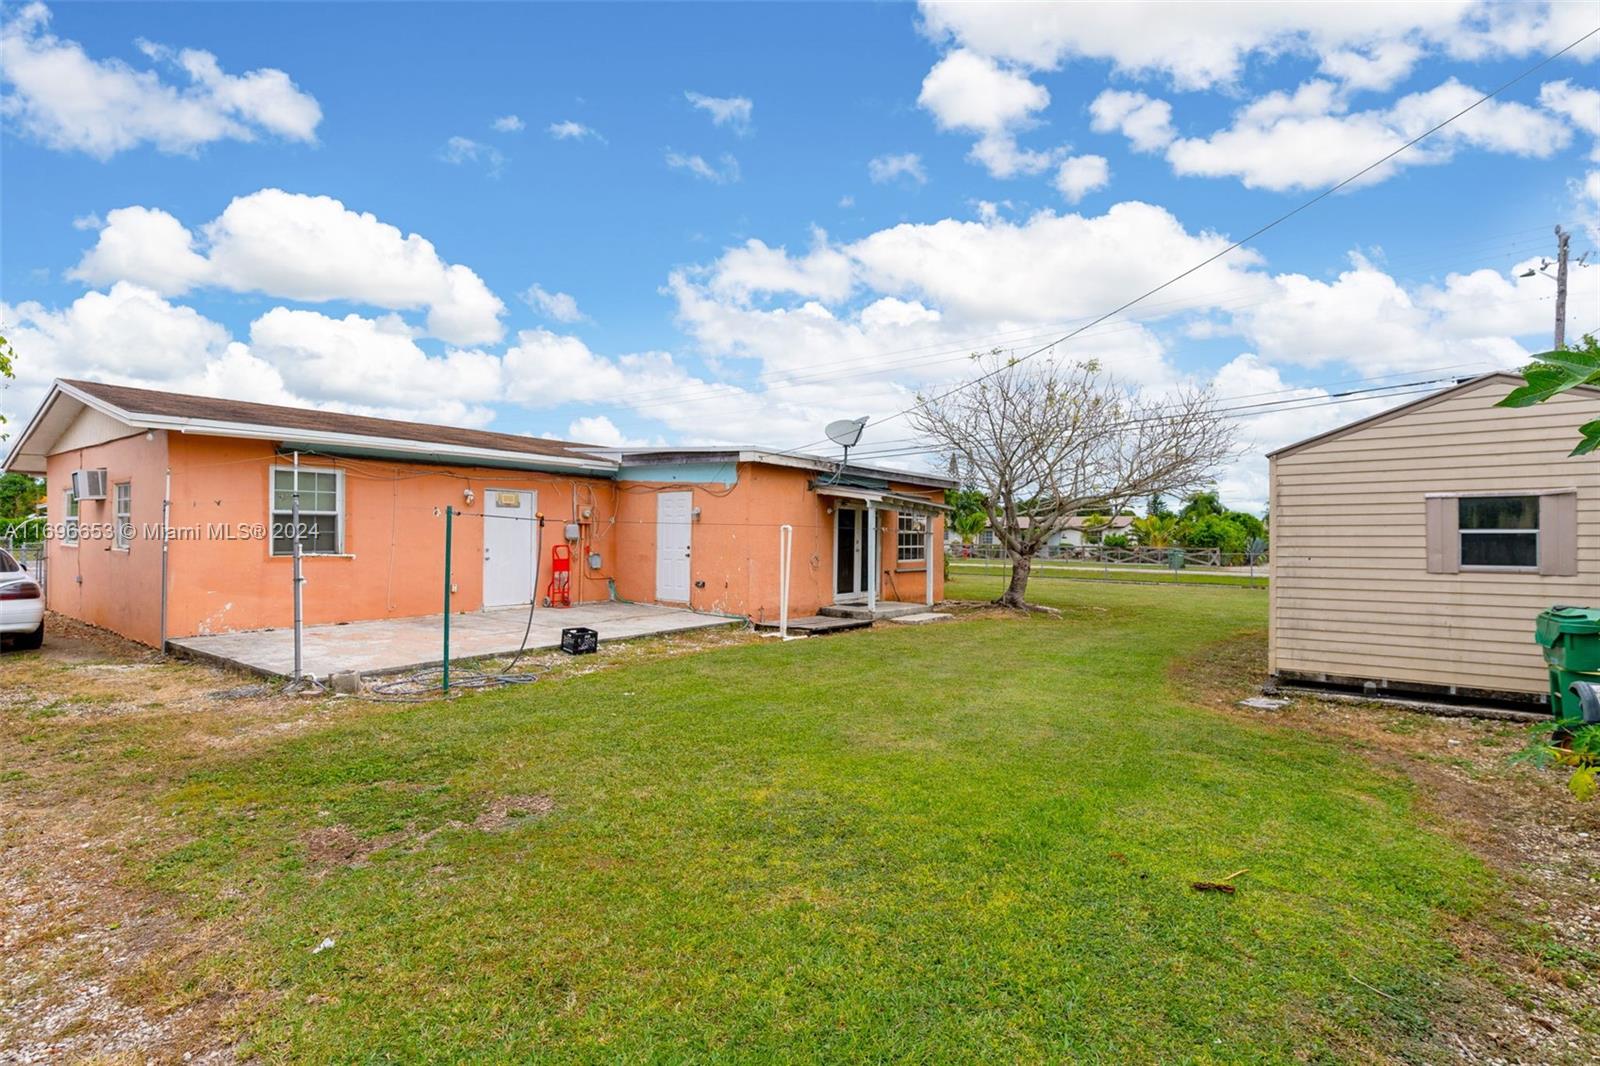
[(1072, 533), (1412, 550), (170, 517)]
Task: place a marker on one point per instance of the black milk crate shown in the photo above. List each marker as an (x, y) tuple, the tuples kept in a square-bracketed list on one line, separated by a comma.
[(578, 640)]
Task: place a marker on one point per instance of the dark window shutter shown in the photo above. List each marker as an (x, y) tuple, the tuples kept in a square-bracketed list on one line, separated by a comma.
[(1444, 535), (1558, 534)]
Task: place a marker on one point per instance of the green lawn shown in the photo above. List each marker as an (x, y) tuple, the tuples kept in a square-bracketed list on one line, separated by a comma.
[(971, 841)]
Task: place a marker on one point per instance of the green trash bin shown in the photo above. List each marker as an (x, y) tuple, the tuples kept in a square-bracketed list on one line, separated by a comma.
[(1570, 637)]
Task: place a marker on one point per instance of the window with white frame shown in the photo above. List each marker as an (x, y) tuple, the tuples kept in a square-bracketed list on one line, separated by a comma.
[(321, 510), (911, 542), (122, 514), (1499, 531), (69, 522)]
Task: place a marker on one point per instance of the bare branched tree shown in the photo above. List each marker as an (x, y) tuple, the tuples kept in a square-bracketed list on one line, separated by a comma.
[(1044, 441)]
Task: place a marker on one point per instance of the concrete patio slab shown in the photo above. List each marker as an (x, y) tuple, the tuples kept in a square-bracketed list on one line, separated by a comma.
[(396, 645)]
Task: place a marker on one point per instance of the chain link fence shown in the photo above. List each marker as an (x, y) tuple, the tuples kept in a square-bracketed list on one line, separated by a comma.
[(25, 542), (1099, 555)]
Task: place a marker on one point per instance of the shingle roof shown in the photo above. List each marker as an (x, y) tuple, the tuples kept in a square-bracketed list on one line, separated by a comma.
[(181, 405)]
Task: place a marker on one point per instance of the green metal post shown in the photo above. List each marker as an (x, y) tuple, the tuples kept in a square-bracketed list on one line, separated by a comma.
[(449, 516)]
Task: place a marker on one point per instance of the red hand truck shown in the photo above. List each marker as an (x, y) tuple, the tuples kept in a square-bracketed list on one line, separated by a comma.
[(559, 592)]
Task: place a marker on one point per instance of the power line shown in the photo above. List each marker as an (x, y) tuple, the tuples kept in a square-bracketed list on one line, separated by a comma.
[(939, 353), (1274, 223), (1304, 403)]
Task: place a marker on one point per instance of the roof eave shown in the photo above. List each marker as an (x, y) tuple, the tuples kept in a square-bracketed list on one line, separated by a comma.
[(254, 431)]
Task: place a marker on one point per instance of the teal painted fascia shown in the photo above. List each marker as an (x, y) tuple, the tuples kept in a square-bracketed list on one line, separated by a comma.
[(695, 473)]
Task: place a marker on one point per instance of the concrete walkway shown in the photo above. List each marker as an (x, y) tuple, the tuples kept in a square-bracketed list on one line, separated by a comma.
[(395, 645)]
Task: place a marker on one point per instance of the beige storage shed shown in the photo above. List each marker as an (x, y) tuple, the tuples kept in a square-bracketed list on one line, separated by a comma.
[(1412, 550)]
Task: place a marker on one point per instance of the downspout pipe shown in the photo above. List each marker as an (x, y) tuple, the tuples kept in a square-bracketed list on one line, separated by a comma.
[(166, 541)]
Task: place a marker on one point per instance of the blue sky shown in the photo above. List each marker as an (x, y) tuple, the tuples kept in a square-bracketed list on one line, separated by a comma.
[(765, 216)]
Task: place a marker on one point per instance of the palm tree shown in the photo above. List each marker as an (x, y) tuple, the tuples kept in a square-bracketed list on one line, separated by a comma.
[(968, 524), (1157, 530)]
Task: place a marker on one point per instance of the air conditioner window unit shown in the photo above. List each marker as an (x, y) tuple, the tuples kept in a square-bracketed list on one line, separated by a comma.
[(89, 484)]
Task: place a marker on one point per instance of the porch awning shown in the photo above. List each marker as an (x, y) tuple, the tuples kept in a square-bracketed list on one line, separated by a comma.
[(850, 492), (893, 501), (896, 501)]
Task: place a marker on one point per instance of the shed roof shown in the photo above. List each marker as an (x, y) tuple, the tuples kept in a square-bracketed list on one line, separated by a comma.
[(1405, 408)]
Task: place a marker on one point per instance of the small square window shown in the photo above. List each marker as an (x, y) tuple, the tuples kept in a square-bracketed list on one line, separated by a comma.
[(1499, 532), (911, 540), (321, 511)]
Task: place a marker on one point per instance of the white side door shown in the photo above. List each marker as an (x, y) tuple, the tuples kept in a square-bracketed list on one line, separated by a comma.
[(674, 515), (510, 547)]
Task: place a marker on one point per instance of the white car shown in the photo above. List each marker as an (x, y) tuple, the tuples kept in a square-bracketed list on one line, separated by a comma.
[(21, 605)]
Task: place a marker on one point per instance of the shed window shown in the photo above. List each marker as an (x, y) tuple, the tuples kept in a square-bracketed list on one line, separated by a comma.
[(1499, 531), (321, 511), (69, 526), (122, 514), (911, 542)]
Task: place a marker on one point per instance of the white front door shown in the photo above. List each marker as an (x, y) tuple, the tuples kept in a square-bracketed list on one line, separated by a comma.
[(510, 547), (852, 565), (674, 515)]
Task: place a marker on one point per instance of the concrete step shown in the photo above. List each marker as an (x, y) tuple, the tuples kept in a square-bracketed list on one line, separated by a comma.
[(816, 625), (884, 611), (921, 618)]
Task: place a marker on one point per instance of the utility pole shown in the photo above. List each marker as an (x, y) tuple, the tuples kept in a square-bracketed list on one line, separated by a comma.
[(1562, 237)]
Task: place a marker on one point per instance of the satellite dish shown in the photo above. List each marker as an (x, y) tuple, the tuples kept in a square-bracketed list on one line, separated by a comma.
[(846, 432)]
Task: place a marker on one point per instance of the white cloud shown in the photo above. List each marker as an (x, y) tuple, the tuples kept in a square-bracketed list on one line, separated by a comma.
[(146, 246), (598, 429), (1198, 46), (1586, 192), (1306, 139), (969, 92), (459, 150), (1579, 105), (824, 273), (557, 305), (886, 168), (725, 172), (731, 111), (1368, 320), (1047, 268), (90, 221), (68, 101), (1080, 175), (509, 124), (297, 247), (363, 363), (568, 130), (1377, 67), (1147, 123)]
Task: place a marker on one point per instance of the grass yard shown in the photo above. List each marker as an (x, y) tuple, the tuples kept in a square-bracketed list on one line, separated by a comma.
[(970, 841)]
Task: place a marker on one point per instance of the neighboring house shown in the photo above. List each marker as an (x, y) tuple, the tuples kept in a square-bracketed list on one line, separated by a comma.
[(690, 527), (1075, 533), (1415, 548)]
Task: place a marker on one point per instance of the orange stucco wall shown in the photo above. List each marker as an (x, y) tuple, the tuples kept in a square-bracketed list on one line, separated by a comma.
[(223, 575), (117, 589), (734, 544), (393, 559)]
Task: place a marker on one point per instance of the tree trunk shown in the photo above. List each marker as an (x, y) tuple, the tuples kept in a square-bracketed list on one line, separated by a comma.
[(1021, 567)]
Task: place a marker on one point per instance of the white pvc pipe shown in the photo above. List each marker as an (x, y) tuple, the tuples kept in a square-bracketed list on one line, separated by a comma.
[(785, 552)]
